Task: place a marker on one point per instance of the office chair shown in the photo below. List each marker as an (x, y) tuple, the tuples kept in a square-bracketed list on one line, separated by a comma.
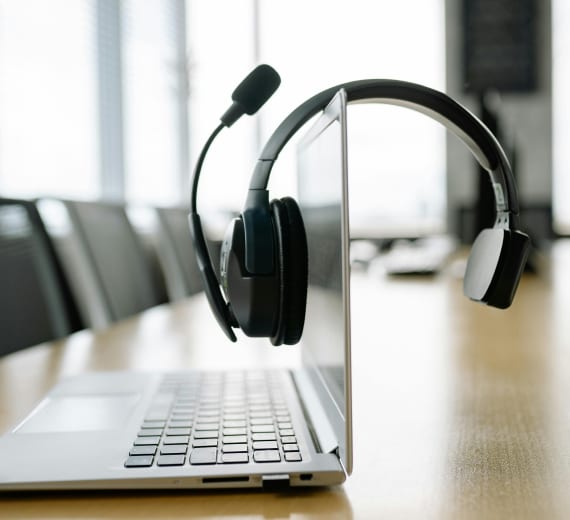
[(36, 303), (176, 253), (105, 258)]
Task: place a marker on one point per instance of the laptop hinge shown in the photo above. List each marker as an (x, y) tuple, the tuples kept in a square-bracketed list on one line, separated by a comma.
[(317, 419)]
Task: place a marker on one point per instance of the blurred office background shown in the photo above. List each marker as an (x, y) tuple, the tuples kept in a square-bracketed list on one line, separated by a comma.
[(113, 99), (107, 100)]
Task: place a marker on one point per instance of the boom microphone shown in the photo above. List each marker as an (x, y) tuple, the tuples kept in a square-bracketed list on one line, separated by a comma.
[(250, 95)]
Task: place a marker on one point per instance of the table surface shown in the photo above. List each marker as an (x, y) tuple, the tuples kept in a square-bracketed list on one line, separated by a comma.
[(460, 410)]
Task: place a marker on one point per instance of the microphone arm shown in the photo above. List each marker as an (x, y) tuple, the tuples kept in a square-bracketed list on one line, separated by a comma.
[(247, 98), (198, 167), (219, 307)]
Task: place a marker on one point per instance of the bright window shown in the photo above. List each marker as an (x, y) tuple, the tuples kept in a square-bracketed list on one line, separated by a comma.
[(63, 69), (221, 52), (48, 117), (50, 105), (151, 101), (397, 157)]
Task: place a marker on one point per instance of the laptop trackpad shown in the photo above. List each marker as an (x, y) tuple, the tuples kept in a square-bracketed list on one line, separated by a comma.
[(80, 413)]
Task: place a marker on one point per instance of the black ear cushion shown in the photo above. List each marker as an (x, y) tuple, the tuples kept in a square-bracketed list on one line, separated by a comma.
[(293, 262)]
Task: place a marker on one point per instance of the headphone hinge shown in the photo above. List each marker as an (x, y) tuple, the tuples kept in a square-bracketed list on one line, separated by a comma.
[(504, 220), (261, 174)]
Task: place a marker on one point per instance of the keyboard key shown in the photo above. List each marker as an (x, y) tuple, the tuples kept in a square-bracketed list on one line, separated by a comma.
[(235, 431), (235, 409), (293, 456), (284, 425), (290, 439), (266, 456), (234, 417), (204, 443), (174, 423), (235, 424), (265, 445), (259, 401), (143, 450), (263, 437), (150, 432), (263, 428), (260, 415), (177, 431), (286, 433), (173, 449), (232, 404), (139, 461), (204, 412), (178, 439), (234, 458), (259, 408), (201, 426), (153, 424), (146, 441), (234, 448), (171, 460), (203, 456), (235, 439), (290, 447), (209, 434), (240, 411), (261, 420), (233, 401)]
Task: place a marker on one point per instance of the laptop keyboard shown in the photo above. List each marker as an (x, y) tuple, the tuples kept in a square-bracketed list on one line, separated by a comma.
[(216, 418)]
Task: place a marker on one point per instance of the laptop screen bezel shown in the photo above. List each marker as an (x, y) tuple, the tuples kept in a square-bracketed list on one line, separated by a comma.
[(340, 419)]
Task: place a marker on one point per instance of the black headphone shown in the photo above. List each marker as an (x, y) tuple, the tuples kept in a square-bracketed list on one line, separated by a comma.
[(264, 263)]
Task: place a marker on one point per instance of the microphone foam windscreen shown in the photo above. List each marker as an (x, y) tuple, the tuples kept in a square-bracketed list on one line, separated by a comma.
[(256, 88)]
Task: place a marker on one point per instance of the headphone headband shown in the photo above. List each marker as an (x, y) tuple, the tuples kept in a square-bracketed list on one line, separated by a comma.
[(264, 255), (432, 103)]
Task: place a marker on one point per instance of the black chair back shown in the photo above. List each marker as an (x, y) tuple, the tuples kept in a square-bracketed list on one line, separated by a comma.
[(106, 261), (176, 253), (36, 303)]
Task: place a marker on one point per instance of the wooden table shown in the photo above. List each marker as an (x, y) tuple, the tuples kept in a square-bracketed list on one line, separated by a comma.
[(460, 411)]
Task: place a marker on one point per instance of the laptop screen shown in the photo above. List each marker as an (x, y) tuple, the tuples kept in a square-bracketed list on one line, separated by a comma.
[(322, 195)]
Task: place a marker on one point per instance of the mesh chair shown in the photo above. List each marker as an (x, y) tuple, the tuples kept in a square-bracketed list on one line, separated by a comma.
[(108, 265), (176, 253), (36, 303)]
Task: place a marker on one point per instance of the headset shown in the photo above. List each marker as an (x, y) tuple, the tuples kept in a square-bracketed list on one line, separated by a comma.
[(264, 261)]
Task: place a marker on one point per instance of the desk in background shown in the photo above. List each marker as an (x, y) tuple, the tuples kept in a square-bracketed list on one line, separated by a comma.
[(460, 410)]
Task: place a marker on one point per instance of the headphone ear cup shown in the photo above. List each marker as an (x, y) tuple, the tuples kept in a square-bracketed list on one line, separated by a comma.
[(495, 265), (293, 265)]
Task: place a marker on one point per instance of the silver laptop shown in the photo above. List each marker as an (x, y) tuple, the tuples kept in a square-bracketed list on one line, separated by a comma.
[(195, 429)]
